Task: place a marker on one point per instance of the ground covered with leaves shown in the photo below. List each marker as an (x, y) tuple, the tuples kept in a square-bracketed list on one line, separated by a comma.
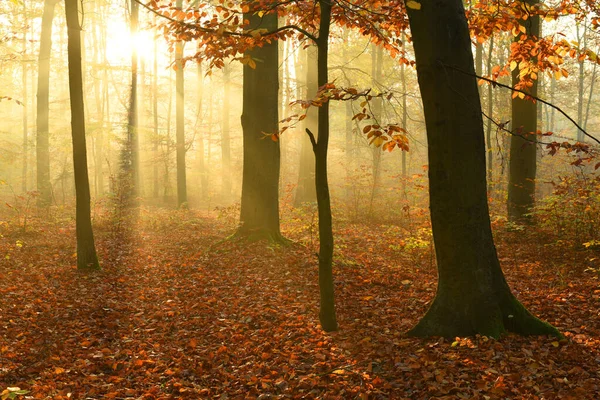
[(178, 312)]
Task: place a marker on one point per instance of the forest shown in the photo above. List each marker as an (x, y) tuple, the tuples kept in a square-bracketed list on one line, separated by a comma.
[(299, 199)]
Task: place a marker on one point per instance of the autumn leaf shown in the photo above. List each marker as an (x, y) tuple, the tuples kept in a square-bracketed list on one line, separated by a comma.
[(414, 5)]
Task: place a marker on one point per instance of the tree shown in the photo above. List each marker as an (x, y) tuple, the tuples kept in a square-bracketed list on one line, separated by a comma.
[(133, 147), (473, 296), (259, 214), (327, 315), (86, 250), (225, 137), (42, 144), (523, 148), (180, 123)]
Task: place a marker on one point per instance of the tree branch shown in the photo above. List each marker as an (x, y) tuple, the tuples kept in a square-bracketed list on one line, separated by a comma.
[(313, 141), (493, 82)]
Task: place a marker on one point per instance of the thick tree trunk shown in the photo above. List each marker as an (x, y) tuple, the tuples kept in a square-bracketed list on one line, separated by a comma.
[(43, 107), (523, 148), (473, 296), (327, 314), (86, 250), (305, 192), (180, 123), (259, 215)]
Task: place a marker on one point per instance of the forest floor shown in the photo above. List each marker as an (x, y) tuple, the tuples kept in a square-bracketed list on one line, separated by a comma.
[(176, 312)]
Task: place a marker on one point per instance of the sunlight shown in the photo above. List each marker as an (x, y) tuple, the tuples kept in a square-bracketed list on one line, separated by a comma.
[(120, 43)]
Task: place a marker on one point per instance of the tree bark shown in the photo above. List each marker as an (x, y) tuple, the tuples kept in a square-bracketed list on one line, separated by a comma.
[(225, 137), (327, 315), (259, 214), (131, 168), (199, 118), (490, 113), (473, 296), (180, 123), (376, 77), (43, 107), (86, 250), (523, 148), (25, 120)]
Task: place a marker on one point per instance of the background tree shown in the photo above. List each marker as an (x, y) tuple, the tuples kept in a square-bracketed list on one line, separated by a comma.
[(43, 106), (259, 214), (523, 149), (180, 122), (86, 249)]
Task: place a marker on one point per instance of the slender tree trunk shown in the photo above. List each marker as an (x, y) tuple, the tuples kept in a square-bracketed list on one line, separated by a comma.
[(488, 129), (327, 314), (225, 139), (305, 192), (589, 101), (404, 121), (180, 123), (199, 119), (24, 100), (473, 296), (86, 250), (259, 214), (523, 148), (376, 76), (133, 157), (43, 107), (156, 135), (581, 37)]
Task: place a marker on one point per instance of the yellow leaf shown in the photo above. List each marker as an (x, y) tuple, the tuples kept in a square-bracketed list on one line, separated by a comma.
[(413, 5), (454, 344), (555, 344), (513, 65)]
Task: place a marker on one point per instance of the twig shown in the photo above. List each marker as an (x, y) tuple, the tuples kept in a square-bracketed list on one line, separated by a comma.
[(493, 82)]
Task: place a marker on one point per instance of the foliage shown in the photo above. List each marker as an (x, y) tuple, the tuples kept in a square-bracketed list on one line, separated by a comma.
[(572, 211), (177, 313)]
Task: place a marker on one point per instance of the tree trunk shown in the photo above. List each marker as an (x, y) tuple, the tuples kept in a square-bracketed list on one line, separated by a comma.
[(327, 314), (43, 107), (156, 135), (473, 296), (25, 120), (376, 77), (199, 118), (225, 139), (404, 121), (86, 250), (490, 113), (581, 37), (131, 166), (259, 215), (305, 192), (523, 148), (180, 122)]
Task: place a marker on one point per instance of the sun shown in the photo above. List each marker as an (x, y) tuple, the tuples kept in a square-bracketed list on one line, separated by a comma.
[(120, 43)]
